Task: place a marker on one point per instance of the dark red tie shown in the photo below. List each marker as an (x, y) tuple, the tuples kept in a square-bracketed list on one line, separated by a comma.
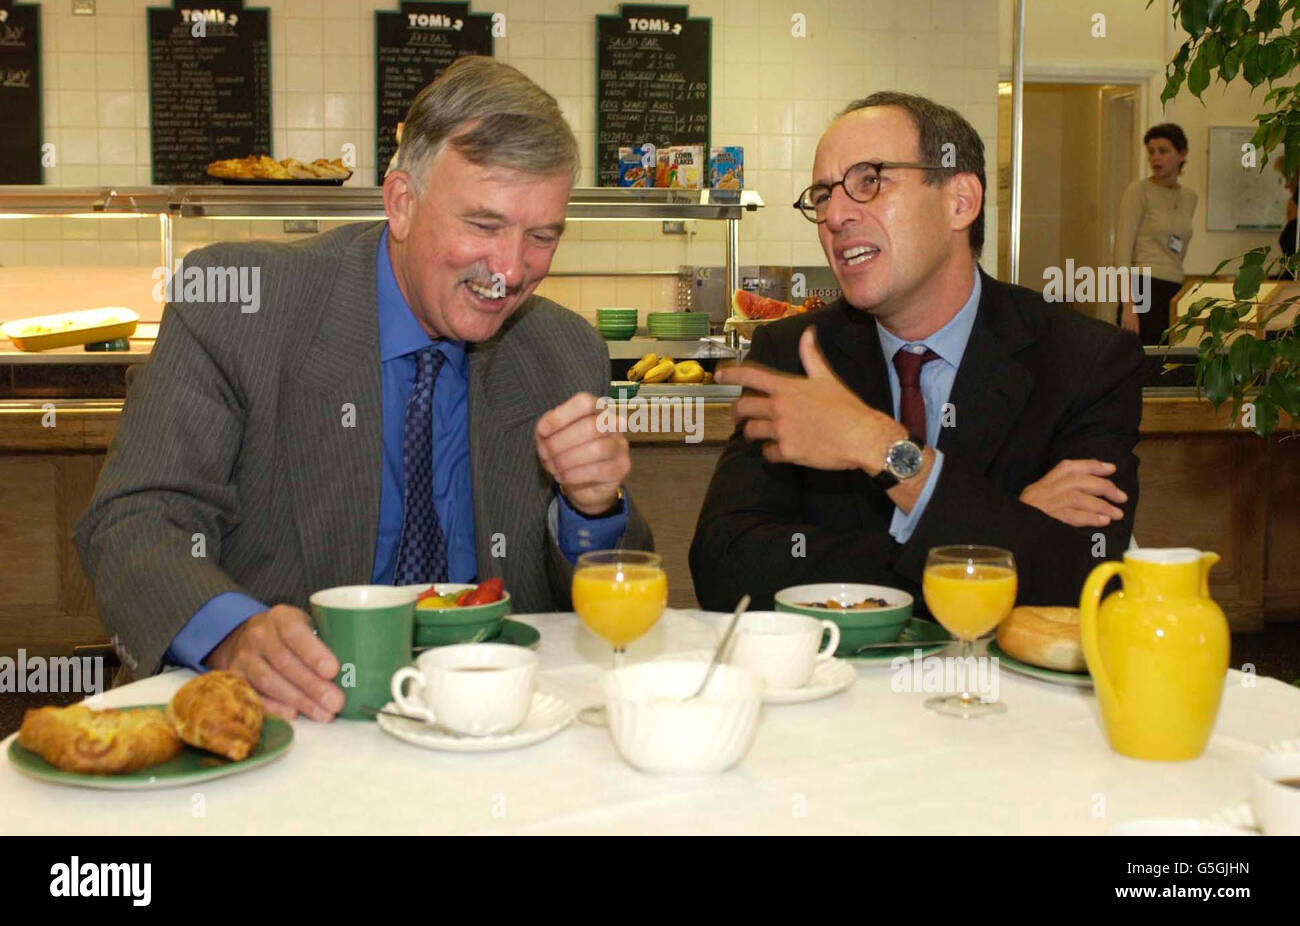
[(911, 404)]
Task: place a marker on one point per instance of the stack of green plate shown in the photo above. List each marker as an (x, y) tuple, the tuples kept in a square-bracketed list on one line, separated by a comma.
[(678, 325), (616, 324)]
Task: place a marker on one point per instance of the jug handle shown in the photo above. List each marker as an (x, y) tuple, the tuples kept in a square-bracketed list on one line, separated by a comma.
[(1207, 562), (1088, 603)]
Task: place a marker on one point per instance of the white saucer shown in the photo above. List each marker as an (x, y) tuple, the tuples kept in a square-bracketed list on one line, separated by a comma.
[(547, 717), (828, 678)]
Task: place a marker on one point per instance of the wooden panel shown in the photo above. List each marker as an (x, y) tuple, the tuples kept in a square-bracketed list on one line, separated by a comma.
[(45, 602), (1195, 493), (29, 533), (668, 483), (1282, 566)]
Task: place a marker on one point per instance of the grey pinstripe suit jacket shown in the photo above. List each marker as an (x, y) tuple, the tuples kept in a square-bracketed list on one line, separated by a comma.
[(248, 455)]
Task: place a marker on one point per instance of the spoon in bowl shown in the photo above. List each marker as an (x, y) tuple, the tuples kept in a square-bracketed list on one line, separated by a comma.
[(722, 645)]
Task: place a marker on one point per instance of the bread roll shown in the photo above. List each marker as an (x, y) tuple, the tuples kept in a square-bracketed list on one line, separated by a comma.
[(1042, 636), (219, 712), (110, 742)]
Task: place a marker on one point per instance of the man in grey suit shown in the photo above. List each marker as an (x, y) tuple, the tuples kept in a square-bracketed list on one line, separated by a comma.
[(399, 408)]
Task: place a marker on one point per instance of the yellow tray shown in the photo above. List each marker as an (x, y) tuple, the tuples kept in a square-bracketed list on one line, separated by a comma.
[(69, 329)]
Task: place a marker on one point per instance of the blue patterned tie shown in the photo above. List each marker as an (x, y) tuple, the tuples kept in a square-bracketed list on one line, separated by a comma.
[(422, 552)]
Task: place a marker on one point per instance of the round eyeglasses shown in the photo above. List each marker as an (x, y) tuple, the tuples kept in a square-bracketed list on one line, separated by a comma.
[(861, 182)]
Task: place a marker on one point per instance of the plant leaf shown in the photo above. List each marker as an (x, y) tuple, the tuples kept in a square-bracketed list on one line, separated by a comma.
[(1218, 380), (1235, 23), (1246, 285), (1239, 355), (1268, 16), (1198, 78), (1251, 68), (1195, 16)]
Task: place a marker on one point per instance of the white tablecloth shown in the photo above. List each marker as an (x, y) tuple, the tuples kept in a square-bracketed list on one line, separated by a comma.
[(868, 760)]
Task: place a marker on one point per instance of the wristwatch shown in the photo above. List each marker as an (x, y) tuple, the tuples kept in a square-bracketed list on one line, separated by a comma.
[(903, 460)]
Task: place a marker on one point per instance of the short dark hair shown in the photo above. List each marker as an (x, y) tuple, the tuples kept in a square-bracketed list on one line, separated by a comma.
[(937, 126), (1172, 133)]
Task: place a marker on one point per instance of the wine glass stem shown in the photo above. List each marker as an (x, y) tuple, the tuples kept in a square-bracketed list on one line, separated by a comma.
[(966, 649), (619, 654)]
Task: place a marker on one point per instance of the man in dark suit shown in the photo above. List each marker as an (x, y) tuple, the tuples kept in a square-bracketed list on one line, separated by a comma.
[(930, 405), (400, 408)]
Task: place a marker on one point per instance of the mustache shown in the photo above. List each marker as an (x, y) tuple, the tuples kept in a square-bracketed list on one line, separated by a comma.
[(479, 276)]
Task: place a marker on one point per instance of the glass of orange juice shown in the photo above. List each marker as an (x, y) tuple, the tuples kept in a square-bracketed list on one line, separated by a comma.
[(969, 590), (619, 595)]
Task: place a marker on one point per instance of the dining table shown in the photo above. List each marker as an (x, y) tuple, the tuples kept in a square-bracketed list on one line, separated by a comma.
[(868, 760)]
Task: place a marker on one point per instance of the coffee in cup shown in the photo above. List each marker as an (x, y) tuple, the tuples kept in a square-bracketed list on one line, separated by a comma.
[(477, 689), (782, 648)]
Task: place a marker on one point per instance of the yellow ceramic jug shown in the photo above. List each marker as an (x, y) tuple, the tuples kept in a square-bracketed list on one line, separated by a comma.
[(1157, 651)]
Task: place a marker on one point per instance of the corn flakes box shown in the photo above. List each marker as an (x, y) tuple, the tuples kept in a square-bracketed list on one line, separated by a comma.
[(686, 167)]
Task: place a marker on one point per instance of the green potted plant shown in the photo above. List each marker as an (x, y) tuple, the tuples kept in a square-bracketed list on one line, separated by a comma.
[(1257, 41)]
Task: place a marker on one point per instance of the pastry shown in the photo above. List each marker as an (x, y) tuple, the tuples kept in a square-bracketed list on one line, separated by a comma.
[(264, 167), (219, 712), (1043, 636), (110, 742)]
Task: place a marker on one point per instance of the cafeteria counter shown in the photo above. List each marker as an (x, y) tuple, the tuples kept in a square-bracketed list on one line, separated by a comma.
[(1204, 484)]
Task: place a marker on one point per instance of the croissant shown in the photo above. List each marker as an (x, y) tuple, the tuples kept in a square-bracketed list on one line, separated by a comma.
[(109, 742), (219, 712)]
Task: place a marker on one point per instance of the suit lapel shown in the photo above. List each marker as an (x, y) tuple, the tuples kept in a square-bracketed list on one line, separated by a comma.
[(332, 415), (991, 387)]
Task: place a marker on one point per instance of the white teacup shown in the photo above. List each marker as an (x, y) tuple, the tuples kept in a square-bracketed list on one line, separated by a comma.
[(1277, 806), (781, 648), (473, 688)]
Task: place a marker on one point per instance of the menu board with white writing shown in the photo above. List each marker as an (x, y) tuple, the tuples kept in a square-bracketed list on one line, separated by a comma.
[(653, 66), (412, 48), (20, 94), (209, 86)]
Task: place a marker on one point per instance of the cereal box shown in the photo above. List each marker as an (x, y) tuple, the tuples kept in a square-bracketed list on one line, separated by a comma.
[(727, 168), (686, 167)]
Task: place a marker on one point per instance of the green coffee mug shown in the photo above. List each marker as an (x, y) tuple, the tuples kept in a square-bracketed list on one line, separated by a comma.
[(368, 628)]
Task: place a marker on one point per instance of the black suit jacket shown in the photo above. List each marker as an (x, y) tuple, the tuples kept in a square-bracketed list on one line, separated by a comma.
[(1037, 384)]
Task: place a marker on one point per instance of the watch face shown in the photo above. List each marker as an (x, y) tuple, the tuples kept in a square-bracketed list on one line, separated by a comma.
[(904, 459)]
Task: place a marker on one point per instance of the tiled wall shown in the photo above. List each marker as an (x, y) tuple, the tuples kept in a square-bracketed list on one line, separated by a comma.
[(773, 93)]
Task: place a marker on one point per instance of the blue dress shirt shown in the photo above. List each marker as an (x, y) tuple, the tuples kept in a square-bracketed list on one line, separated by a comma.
[(400, 339), (937, 376)]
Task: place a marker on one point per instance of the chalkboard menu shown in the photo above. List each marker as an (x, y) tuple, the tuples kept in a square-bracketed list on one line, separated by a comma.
[(412, 48), (20, 94), (652, 82), (209, 86)]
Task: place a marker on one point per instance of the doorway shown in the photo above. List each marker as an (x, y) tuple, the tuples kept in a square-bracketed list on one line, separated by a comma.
[(1080, 152)]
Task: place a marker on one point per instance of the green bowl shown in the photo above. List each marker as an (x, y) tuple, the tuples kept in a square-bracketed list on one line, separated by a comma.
[(443, 626), (623, 390), (857, 628)]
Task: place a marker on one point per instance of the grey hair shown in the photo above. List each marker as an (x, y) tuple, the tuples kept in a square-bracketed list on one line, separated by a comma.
[(492, 115), (937, 125)]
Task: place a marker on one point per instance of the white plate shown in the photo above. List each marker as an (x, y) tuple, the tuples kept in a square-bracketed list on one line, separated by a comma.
[(547, 717), (830, 677)]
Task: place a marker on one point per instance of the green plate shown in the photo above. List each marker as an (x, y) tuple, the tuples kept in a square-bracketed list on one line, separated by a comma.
[(515, 633), (929, 637), (191, 766), (1075, 679)]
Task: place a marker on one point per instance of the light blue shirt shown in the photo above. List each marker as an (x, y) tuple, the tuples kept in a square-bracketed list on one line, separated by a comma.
[(937, 377)]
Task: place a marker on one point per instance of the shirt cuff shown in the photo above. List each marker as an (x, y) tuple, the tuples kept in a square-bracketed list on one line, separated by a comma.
[(902, 525), (210, 625), (577, 534)]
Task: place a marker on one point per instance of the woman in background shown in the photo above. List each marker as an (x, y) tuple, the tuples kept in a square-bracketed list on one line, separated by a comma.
[(1154, 225)]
